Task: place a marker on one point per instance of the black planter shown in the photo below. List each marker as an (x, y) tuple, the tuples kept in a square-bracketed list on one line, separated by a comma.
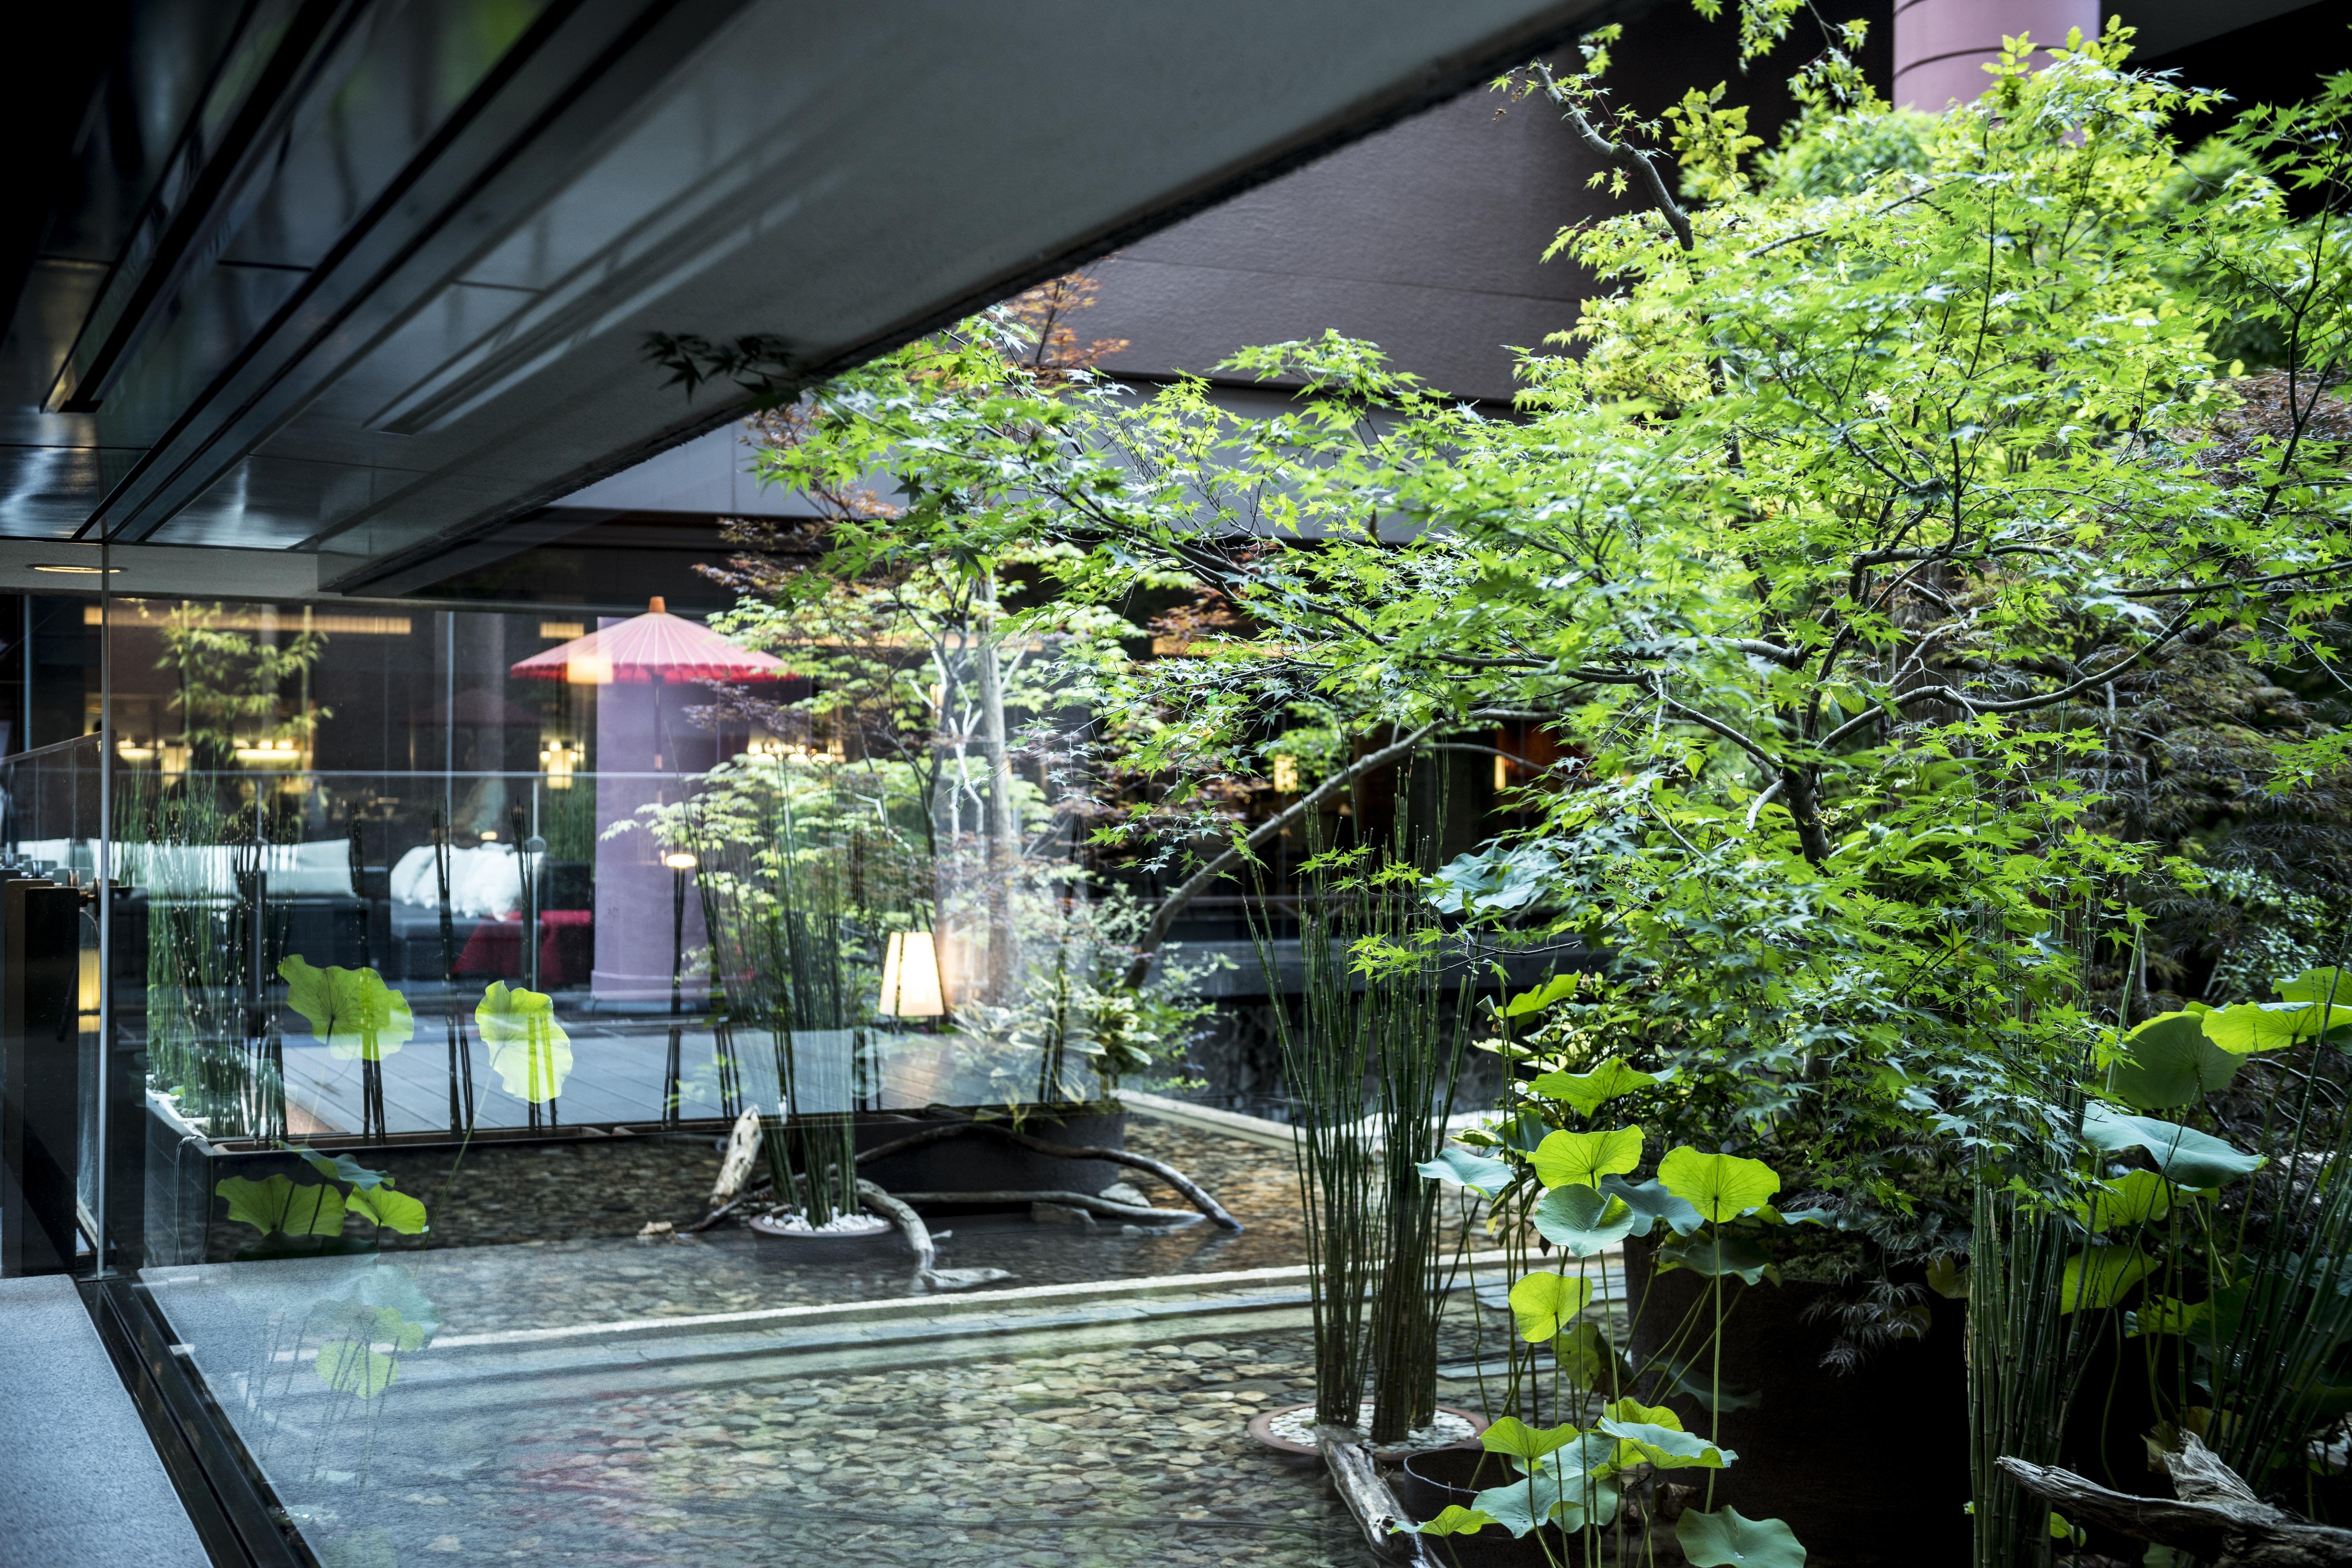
[(982, 1161), (1426, 1484), (1867, 1468)]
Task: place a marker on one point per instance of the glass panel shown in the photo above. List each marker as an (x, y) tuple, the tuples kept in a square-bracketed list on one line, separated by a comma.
[(520, 1056)]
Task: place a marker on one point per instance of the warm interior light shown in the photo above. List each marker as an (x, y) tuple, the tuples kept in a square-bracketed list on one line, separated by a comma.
[(1501, 774), (678, 860), (65, 571), (88, 989), (489, 835), (557, 758), (561, 631), (1286, 775), (910, 977), (589, 669)]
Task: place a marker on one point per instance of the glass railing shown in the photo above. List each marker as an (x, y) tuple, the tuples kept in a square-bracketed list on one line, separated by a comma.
[(415, 1106)]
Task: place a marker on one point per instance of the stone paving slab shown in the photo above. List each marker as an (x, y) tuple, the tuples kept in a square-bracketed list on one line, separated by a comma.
[(79, 1480)]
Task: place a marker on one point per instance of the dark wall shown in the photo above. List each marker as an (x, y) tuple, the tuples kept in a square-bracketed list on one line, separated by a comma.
[(1427, 238)]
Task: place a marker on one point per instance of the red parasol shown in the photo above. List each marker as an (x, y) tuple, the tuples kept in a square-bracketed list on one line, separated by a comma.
[(653, 649)]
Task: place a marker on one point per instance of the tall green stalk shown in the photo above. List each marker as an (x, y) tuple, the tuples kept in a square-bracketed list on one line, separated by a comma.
[(1416, 1055), (779, 944), (1327, 1058)]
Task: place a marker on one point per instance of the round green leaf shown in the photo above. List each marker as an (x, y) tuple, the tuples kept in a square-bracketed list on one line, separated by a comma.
[(1514, 1437), (1543, 1303), (1582, 1222), (352, 1366), (2097, 1275), (2170, 1061), (1650, 1203), (529, 1049), (2134, 1198), (280, 1206), (1455, 1521), (1727, 1539), (2188, 1157), (1720, 1187), (1589, 1091), (352, 1010), (1581, 1159), (391, 1210), (1459, 1167)]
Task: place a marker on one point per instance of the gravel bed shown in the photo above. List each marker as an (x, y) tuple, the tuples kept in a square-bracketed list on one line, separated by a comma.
[(607, 1273), (1102, 1458)]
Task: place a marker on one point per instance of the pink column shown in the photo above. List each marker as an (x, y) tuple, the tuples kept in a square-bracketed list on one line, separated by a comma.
[(634, 889), (1942, 45)]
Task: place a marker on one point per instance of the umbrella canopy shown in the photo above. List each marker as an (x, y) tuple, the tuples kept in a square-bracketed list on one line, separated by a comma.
[(653, 647)]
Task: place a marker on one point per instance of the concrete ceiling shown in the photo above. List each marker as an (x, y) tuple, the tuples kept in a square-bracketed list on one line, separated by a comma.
[(361, 281)]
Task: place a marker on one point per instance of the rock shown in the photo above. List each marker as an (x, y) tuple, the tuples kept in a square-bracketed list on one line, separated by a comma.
[(1125, 1193), (1057, 1213)]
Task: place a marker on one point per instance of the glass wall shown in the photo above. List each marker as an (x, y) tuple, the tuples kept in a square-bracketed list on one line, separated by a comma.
[(555, 1115)]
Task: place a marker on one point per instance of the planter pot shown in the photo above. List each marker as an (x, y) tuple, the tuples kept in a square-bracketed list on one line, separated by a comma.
[(1263, 1427), (1427, 1484), (1866, 1467), (984, 1163)]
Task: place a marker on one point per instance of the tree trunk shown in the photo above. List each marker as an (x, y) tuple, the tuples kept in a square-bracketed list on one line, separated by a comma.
[(1003, 836)]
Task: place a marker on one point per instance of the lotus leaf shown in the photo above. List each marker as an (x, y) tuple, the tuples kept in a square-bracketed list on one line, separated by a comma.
[(1589, 1091), (1545, 1496), (1713, 1255), (1542, 1303), (2190, 1157), (351, 1010), (389, 1209), (341, 1168), (278, 1205), (1668, 1447), (2251, 1026), (1581, 1159), (2096, 1276), (529, 1049), (1727, 1539), (1454, 1520), (1514, 1437), (352, 1366), (1582, 1222), (1650, 1203), (2166, 1315), (2134, 1198), (1720, 1187), (2171, 1061), (1552, 990), (1459, 1167)]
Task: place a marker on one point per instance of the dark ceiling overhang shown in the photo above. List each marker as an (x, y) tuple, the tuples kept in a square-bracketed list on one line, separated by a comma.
[(365, 281)]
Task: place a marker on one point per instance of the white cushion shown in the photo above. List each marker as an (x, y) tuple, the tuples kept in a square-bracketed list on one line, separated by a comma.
[(483, 883), (318, 869), (412, 878)]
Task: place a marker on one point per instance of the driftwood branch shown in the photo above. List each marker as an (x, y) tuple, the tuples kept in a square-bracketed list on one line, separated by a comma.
[(735, 1166), (1358, 1480), (1159, 1168), (917, 1234), (2215, 1516)]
